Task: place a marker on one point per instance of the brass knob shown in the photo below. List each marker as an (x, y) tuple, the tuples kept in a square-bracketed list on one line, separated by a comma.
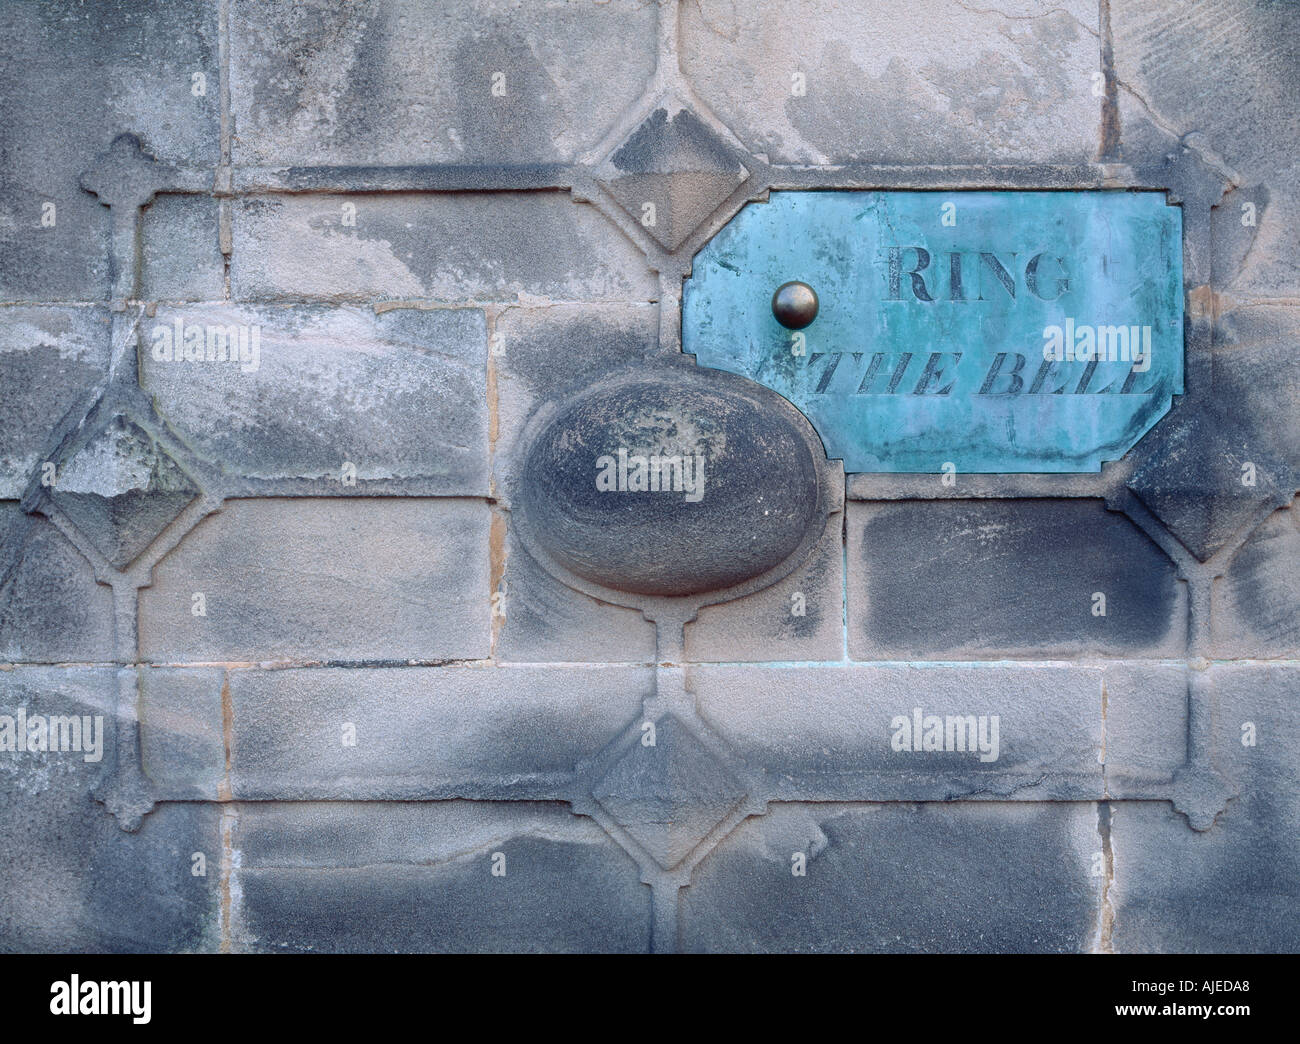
[(795, 305)]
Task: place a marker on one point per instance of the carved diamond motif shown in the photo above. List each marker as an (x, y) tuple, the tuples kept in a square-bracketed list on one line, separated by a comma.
[(1206, 479), (121, 489), (669, 796), (671, 174)]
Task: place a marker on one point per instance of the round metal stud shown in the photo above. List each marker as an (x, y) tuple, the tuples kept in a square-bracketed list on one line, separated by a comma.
[(795, 305)]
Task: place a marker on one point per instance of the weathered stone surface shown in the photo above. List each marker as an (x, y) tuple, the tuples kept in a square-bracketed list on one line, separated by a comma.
[(1256, 610), (1232, 888), (447, 247), (417, 343), (51, 608), (51, 360), (180, 250), (1205, 476), (672, 172), (1234, 231), (128, 175), (1256, 371), (87, 73), (901, 878), (382, 83), (545, 621), (544, 355), (423, 730), (121, 489), (182, 743), (1146, 722), (142, 894), (798, 618), (741, 465), (942, 82), (836, 732), (324, 579), (419, 877), (66, 691), (670, 795), (399, 395), (981, 579), (1240, 112)]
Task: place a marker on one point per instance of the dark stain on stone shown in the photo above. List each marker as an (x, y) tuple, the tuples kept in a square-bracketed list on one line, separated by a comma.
[(1009, 576), (514, 126), (1109, 148), (757, 498), (663, 145)]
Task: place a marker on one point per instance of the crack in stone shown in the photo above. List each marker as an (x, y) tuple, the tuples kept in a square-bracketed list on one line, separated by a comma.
[(1106, 913), (1211, 160), (1031, 17), (1028, 784)]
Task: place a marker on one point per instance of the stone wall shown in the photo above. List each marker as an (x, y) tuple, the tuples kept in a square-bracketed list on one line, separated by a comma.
[(350, 702)]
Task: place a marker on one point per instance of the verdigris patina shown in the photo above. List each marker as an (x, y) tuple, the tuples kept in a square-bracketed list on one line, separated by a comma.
[(975, 331)]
